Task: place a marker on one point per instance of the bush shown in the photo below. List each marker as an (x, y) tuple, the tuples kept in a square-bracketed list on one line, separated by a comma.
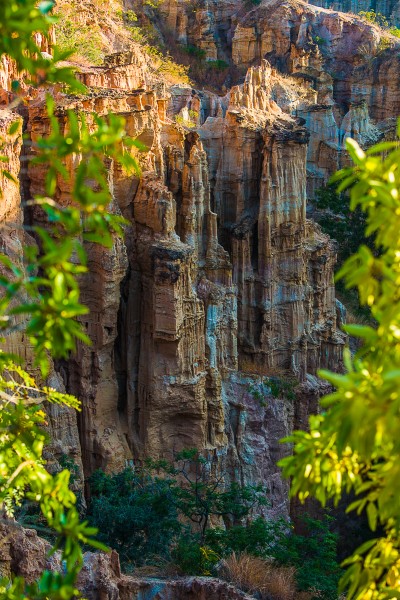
[(313, 555), (192, 556), (259, 576), (259, 537), (194, 51), (141, 512), (162, 511), (376, 18), (135, 513), (218, 65), (76, 37)]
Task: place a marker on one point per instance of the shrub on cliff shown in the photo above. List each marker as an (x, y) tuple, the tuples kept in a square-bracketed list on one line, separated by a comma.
[(153, 519), (141, 512), (354, 444), (77, 37)]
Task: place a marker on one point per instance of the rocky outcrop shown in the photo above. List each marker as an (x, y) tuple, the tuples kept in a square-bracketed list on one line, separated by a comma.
[(24, 554), (221, 293), (349, 65), (220, 284), (101, 579), (221, 281), (388, 8)]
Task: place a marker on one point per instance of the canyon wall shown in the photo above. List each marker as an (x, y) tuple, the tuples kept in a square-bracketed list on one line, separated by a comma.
[(348, 66), (388, 8), (210, 319)]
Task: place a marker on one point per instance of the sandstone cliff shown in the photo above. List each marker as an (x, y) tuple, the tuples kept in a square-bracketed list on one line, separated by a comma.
[(349, 64), (222, 291)]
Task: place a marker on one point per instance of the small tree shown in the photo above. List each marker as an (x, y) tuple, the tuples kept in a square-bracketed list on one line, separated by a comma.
[(354, 444), (202, 494), (141, 510)]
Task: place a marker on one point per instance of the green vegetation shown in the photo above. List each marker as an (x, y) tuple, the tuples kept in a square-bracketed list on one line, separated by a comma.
[(43, 288), (377, 18), (279, 387), (320, 41), (194, 51), (347, 227), (77, 38), (219, 65), (344, 225), (353, 446), (212, 74), (162, 513), (144, 33)]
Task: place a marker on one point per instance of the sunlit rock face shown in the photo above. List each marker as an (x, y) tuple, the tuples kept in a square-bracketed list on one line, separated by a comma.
[(349, 65), (221, 286), (220, 283)]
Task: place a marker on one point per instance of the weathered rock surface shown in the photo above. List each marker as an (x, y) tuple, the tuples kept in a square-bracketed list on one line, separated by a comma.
[(23, 553), (350, 65), (101, 579), (62, 421), (221, 283), (388, 8)]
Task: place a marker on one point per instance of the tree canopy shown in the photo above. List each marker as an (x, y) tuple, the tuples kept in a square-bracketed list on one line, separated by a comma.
[(353, 445)]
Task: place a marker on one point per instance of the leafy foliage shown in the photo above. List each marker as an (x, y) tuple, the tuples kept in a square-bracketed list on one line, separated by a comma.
[(164, 512), (20, 20), (77, 38), (43, 288), (140, 511), (135, 513), (377, 18), (353, 446)]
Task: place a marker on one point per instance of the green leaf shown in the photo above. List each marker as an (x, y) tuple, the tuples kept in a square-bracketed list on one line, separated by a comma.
[(14, 127), (372, 514)]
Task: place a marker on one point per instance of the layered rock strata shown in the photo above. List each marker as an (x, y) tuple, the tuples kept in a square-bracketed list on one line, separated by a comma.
[(388, 8), (62, 421), (220, 283), (351, 65), (222, 290)]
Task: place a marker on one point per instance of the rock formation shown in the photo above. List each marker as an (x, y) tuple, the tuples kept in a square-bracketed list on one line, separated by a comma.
[(388, 8), (348, 63), (23, 553), (221, 286)]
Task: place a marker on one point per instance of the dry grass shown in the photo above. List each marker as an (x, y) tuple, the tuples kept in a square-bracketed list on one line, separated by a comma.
[(257, 575)]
